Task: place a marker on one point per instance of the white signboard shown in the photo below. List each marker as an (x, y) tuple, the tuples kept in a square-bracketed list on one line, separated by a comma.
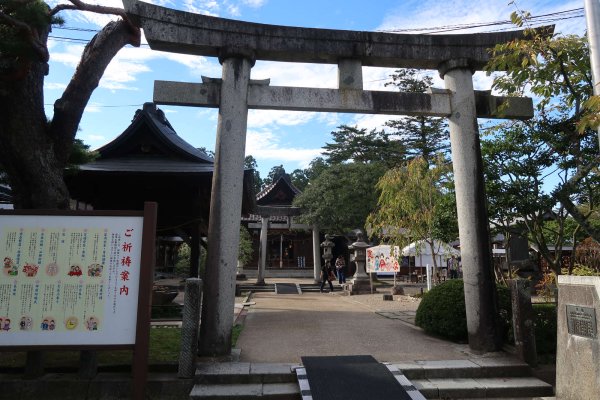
[(69, 280)]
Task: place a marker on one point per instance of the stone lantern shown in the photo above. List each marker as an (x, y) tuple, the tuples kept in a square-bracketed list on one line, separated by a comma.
[(327, 246), (360, 281)]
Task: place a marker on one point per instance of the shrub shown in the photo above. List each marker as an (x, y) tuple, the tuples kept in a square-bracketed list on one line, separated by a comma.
[(442, 311)]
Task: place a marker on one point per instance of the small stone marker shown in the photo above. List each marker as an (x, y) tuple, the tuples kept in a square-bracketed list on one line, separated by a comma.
[(578, 344), (388, 297)]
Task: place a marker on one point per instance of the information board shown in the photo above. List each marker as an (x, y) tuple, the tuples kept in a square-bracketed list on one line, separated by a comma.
[(383, 259), (69, 280)]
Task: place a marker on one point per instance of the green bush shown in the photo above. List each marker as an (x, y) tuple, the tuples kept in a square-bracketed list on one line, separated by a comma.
[(442, 311), (545, 328)]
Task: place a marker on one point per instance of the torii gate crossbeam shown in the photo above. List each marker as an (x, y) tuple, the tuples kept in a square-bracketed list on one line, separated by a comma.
[(239, 44)]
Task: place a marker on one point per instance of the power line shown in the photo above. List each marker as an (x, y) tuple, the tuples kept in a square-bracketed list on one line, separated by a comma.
[(537, 19), (105, 106)]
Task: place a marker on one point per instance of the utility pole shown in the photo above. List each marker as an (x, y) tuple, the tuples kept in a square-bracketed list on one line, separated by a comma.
[(592, 19)]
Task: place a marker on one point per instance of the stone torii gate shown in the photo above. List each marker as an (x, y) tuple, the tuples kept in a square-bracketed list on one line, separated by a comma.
[(239, 44)]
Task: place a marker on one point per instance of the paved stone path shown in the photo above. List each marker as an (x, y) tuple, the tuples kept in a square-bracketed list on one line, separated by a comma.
[(284, 328)]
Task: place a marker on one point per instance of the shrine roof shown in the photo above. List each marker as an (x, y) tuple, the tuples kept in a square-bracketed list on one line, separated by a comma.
[(152, 165), (280, 192), (150, 136)]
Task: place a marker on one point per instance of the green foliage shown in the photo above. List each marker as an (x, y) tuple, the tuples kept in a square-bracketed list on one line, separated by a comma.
[(341, 197), (421, 136), (13, 42), (351, 144), (250, 163), (275, 173), (235, 333), (582, 270), (442, 311), (545, 328), (559, 141), (245, 249), (409, 204)]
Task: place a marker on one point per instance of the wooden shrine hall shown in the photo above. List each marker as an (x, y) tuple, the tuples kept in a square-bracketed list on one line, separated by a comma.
[(286, 244), (150, 162)]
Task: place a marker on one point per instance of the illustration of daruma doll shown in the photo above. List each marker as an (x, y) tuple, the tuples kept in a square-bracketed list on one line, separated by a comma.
[(71, 323)]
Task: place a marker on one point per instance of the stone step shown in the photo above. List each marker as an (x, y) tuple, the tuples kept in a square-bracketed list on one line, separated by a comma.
[(483, 388), (499, 367), (244, 373), (271, 391)]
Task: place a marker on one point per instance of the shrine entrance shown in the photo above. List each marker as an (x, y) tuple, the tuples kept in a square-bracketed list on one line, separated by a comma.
[(239, 44)]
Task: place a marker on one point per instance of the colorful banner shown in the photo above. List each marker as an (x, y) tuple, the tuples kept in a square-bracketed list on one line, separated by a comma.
[(382, 259), (69, 280)]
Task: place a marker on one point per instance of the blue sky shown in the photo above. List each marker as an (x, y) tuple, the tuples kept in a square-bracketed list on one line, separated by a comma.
[(274, 137)]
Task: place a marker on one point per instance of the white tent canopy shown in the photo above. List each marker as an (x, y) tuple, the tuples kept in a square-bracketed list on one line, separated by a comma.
[(421, 250)]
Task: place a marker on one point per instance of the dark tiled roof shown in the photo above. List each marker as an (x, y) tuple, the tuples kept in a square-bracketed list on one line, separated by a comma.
[(147, 165), (284, 182), (161, 130)]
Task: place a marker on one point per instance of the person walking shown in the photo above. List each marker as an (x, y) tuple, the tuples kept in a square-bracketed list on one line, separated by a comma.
[(340, 264), (326, 274)]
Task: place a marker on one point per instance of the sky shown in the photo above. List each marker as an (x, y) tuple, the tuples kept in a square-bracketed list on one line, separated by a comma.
[(287, 138)]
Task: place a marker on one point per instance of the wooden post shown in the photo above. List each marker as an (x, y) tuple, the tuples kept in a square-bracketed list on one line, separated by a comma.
[(142, 334)]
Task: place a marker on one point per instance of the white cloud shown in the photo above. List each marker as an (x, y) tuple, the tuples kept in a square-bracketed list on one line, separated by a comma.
[(264, 145), (296, 74), (438, 14), (371, 121), (263, 118), (93, 108), (234, 10), (55, 86), (254, 3), (95, 139)]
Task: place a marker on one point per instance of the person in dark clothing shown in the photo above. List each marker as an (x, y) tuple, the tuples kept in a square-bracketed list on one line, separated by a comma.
[(339, 267), (326, 271)]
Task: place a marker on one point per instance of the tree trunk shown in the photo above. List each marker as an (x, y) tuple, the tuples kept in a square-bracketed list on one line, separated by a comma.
[(27, 153), (35, 151)]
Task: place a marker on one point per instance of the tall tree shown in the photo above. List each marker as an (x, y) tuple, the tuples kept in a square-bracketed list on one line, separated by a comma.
[(409, 203), (275, 173), (35, 150), (559, 141), (250, 163), (351, 144), (341, 197), (421, 136)]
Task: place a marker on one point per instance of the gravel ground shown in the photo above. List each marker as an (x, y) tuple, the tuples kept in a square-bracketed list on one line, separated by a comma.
[(375, 302)]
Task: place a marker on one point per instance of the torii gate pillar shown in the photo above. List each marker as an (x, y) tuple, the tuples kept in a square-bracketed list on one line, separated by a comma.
[(475, 250), (225, 206)]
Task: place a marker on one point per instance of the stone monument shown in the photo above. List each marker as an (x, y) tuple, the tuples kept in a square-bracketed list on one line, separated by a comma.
[(578, 345)]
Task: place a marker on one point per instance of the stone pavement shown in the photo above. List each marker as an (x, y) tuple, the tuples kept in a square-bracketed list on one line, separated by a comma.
[(282, 328)]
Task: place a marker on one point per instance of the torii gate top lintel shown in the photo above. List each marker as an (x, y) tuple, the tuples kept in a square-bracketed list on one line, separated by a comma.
[(183, 32)]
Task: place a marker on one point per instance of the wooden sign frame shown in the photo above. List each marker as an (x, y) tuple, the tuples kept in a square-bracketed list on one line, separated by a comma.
[(142, 332)]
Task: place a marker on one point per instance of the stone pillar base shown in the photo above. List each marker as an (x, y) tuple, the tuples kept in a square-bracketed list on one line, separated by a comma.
[(360, 287), (240, 277)]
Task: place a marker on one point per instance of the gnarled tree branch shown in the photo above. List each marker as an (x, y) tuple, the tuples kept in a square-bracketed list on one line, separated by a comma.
[(95, 58)]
